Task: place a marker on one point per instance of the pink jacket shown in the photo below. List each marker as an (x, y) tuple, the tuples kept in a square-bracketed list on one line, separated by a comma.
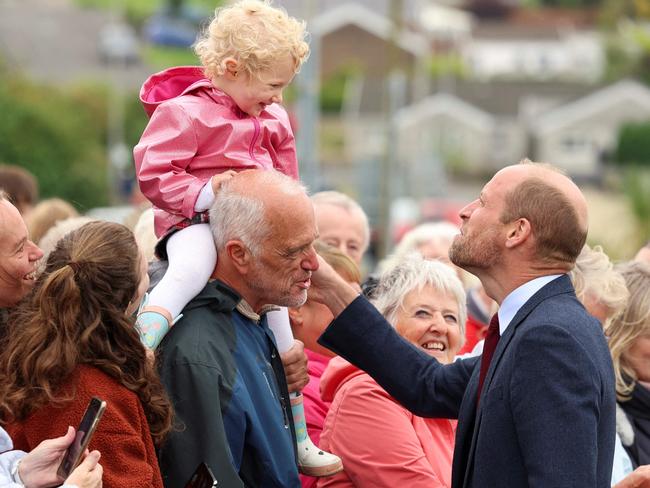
[(196, 131), (315, 407), (380, 442)]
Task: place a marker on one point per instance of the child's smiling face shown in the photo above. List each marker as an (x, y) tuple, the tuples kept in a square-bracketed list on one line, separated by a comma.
[(253, 93)]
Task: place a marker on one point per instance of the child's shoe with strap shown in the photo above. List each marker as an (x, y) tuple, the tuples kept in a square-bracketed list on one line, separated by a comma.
[(312, 461)]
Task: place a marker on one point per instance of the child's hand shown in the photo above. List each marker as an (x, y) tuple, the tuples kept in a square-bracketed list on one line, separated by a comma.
[(217, 180)]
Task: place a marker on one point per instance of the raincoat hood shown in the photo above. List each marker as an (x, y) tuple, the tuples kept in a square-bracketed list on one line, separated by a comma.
[(338, 372), (175, 82)]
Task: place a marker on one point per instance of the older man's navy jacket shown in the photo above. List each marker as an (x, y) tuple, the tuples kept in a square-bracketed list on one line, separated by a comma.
[(224, 376), (546, 416)]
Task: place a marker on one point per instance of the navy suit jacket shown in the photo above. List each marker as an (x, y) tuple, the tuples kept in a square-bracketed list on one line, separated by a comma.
[(546, 416)]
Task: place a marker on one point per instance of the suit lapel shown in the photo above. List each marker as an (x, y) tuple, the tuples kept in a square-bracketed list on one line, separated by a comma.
[(471, 417)]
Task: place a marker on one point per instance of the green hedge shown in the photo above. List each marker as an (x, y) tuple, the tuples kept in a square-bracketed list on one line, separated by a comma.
[(634, 144), (60, 136)]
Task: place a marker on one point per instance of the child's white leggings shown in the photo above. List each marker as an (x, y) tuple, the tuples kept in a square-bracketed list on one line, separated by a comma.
[(192, 258)]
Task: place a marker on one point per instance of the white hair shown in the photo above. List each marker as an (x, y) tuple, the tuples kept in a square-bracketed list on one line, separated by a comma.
[(436, 232), (414, 272), (594, 274), (243, 217), (338, 199)]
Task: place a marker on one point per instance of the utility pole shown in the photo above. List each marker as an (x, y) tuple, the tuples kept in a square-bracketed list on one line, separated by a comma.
[(307, 108), (394, 85)]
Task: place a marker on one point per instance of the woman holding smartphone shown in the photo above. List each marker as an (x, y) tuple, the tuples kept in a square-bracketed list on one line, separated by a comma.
[(73, 339), (38, 469)]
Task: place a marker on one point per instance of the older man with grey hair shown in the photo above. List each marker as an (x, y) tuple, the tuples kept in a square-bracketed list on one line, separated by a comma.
[(220, 364), (342, 223)]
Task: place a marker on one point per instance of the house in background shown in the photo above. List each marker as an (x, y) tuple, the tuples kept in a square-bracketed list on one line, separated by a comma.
[(515, 51), (577, 135), (353, 34), (482, 127)]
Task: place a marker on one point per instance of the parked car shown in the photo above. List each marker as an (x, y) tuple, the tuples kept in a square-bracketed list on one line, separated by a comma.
[(118, 43)]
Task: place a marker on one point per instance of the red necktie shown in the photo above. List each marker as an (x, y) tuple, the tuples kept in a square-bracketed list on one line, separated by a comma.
[(491, 341)]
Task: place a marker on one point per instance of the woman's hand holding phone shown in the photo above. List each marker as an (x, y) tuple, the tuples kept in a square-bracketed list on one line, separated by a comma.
[(88, 474), (38, 468)]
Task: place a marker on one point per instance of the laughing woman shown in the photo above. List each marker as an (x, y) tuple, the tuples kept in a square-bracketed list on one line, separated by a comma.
[(73, 339), (381, 443)]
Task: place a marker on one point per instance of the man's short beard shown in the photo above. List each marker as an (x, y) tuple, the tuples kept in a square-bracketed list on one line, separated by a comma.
[(474, 252), (284, 300)]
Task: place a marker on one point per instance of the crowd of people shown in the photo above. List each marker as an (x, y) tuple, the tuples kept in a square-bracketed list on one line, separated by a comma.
[(231, 324)]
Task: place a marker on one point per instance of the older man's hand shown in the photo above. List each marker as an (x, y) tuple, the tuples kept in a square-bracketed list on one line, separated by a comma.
[(295, 367), (640, 478)]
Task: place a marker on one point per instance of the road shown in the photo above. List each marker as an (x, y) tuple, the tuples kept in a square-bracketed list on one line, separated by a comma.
[(56, 42)]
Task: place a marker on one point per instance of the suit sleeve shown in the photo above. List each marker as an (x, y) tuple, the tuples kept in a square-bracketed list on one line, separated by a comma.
[(555, 378), (377, 443), (420, 383), (199, 434), (162, 156)]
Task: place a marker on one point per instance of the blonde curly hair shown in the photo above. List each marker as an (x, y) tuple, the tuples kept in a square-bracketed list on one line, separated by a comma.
[(255, 34)]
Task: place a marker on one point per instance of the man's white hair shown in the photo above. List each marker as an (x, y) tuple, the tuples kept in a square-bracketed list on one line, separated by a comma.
[(243, 217), (342, 200)]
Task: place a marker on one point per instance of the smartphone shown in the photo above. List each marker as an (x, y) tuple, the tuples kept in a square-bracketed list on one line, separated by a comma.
[(202, 478), (85, 431)]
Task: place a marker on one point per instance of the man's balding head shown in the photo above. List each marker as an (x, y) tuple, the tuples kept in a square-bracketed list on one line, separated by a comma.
[(553, 204)]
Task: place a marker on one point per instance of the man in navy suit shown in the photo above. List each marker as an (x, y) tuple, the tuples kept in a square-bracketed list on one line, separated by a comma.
[(545, 414)]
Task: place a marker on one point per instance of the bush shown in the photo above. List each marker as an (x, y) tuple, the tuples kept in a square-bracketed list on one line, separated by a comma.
[(60, 136), (332, 90), (634, 144)]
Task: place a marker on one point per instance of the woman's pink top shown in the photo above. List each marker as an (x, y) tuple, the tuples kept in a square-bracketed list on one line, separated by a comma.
[(315, 407), (380, 442)]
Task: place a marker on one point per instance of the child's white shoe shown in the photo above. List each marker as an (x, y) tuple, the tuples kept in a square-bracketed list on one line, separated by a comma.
[(312, 461)]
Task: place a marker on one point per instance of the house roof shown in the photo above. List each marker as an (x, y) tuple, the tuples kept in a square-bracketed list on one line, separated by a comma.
[(444, 103), (506, 98), (369, 20), (507, 31), (593, 104), (310, 8)]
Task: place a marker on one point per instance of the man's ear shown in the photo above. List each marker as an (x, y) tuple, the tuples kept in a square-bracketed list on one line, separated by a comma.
[(518, 232), (295, 316), (231, 68), (239, 255)]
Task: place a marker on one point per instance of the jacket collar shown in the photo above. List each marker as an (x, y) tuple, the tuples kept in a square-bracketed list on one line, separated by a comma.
[(220, 296)]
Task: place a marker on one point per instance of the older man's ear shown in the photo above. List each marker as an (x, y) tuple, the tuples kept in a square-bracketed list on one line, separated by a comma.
[(239, 255)]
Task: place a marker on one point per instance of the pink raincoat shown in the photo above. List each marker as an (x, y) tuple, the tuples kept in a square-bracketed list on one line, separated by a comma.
[(381, 444), (195, 131)]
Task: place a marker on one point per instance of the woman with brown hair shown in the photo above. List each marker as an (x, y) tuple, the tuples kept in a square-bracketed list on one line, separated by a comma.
[(73, 339)]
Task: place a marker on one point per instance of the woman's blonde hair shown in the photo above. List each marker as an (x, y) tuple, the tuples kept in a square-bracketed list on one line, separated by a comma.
[(629, 325), (594, 275), (255, 34), (340, 261)]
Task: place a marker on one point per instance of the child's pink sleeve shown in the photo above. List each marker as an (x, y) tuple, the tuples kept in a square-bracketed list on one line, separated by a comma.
[(162, 156), (287, 162)]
